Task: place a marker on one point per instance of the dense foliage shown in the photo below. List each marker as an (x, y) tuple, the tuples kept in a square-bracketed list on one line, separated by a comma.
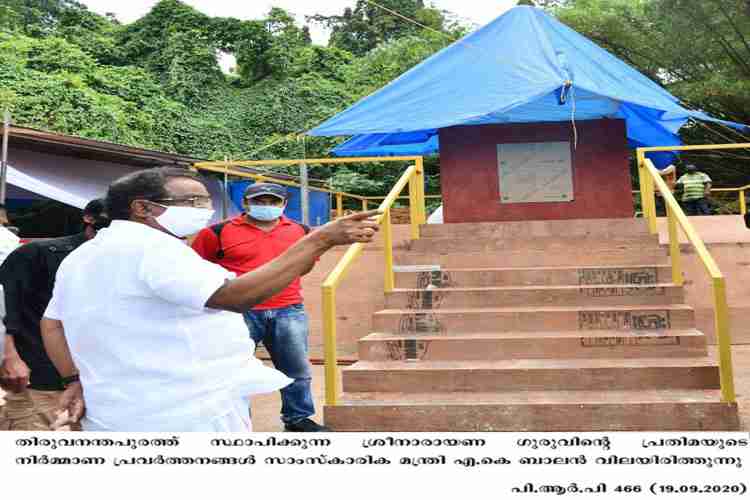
[(156, 82), (363, 28)]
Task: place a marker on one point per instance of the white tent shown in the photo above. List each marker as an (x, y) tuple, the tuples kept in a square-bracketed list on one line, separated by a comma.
[(75, 182), (70, 180), (436, 217), (71, 193)]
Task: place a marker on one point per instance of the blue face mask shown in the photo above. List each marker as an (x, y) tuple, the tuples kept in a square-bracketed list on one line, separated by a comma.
[(265, 212)]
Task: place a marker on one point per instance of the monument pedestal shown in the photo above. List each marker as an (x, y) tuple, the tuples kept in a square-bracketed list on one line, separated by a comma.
[(472, 177)]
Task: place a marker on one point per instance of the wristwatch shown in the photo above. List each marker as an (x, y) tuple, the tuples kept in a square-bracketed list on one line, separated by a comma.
[(66, 381)]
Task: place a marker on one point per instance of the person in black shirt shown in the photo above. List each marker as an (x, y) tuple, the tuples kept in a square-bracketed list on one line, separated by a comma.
[(28, 277)]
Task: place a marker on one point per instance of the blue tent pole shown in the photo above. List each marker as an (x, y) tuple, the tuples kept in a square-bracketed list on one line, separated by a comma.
[(225, 195), (304, 199)]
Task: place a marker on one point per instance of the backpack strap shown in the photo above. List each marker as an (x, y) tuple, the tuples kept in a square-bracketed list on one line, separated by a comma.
[(217, 228)]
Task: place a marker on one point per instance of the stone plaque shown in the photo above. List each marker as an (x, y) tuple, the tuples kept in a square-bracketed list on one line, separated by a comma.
[(535, 172)]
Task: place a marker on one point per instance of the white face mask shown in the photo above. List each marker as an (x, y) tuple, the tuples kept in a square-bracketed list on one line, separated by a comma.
[(184, 221)]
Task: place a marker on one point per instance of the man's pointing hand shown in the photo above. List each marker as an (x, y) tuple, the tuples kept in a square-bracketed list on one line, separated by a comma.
[(356, 228)]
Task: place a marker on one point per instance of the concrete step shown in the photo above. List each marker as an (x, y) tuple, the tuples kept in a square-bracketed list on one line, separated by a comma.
[(534, 411), (534, 319), (534, 258), (484, 243), (532, 345), (531, 375), (604, 228), (410, 277), (558, 295)]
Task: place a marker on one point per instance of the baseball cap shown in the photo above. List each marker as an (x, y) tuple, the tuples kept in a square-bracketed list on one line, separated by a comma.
[(266, 188)]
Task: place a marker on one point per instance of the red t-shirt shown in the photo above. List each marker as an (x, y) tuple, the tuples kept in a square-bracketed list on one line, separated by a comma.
[(246, 247)]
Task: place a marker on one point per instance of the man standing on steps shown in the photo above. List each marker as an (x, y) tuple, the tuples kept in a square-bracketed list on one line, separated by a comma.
[(245, 243), (695, 187)]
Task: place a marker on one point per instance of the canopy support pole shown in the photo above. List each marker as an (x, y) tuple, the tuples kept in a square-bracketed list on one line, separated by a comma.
[(4, 161)]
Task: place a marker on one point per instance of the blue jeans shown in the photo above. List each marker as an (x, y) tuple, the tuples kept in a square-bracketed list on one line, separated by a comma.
[(284, 333), (697, 207)]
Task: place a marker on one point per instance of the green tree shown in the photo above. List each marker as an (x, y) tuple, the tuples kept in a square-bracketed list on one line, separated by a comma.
[(155, 83), (361, 29), (285, 42), (32, 17), (699, 51)]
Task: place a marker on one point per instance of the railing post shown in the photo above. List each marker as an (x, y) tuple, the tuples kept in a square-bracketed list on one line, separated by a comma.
[(743, 203), (419, 179), (721, 319), (648, 203), (389, 281), (651, 200), (339, 205), (364, 205), (329, 340), (642, 176), (674, 247), (414, 215)]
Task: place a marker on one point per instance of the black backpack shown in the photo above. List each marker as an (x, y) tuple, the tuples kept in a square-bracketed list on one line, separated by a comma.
[(217, 228)]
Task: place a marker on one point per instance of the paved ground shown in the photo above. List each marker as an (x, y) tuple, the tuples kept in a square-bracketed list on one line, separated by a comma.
[(265, 409), (741, 359), (714, 229)]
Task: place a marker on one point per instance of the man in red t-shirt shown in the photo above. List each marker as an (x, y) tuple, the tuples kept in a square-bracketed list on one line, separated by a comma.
[(245, 243)]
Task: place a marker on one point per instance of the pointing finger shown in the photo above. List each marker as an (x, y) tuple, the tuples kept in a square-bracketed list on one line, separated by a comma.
[(362, 215)]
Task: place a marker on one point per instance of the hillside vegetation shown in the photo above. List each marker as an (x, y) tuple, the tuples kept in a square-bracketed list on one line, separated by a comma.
[(156, 83)]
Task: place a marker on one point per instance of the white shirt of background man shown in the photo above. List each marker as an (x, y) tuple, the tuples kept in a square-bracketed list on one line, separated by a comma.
[(151, 356)]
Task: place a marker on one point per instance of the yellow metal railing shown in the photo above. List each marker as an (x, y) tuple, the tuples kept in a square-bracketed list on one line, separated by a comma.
[(367, 199), (740, 195), (230, 168), (414, 177), (648, 177), (739, 190), (233, 168)]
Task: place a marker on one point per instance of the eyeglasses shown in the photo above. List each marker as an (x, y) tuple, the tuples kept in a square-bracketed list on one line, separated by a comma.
[(192, 201)]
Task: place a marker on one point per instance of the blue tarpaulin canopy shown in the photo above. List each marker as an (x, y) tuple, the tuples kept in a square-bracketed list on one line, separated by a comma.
[(525, 66)]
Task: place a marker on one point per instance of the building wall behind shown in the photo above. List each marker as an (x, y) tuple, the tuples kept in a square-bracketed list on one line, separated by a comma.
[(469, 172)]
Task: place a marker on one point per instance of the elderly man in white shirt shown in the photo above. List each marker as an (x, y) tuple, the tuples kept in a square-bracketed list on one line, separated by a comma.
[(148, 332)]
